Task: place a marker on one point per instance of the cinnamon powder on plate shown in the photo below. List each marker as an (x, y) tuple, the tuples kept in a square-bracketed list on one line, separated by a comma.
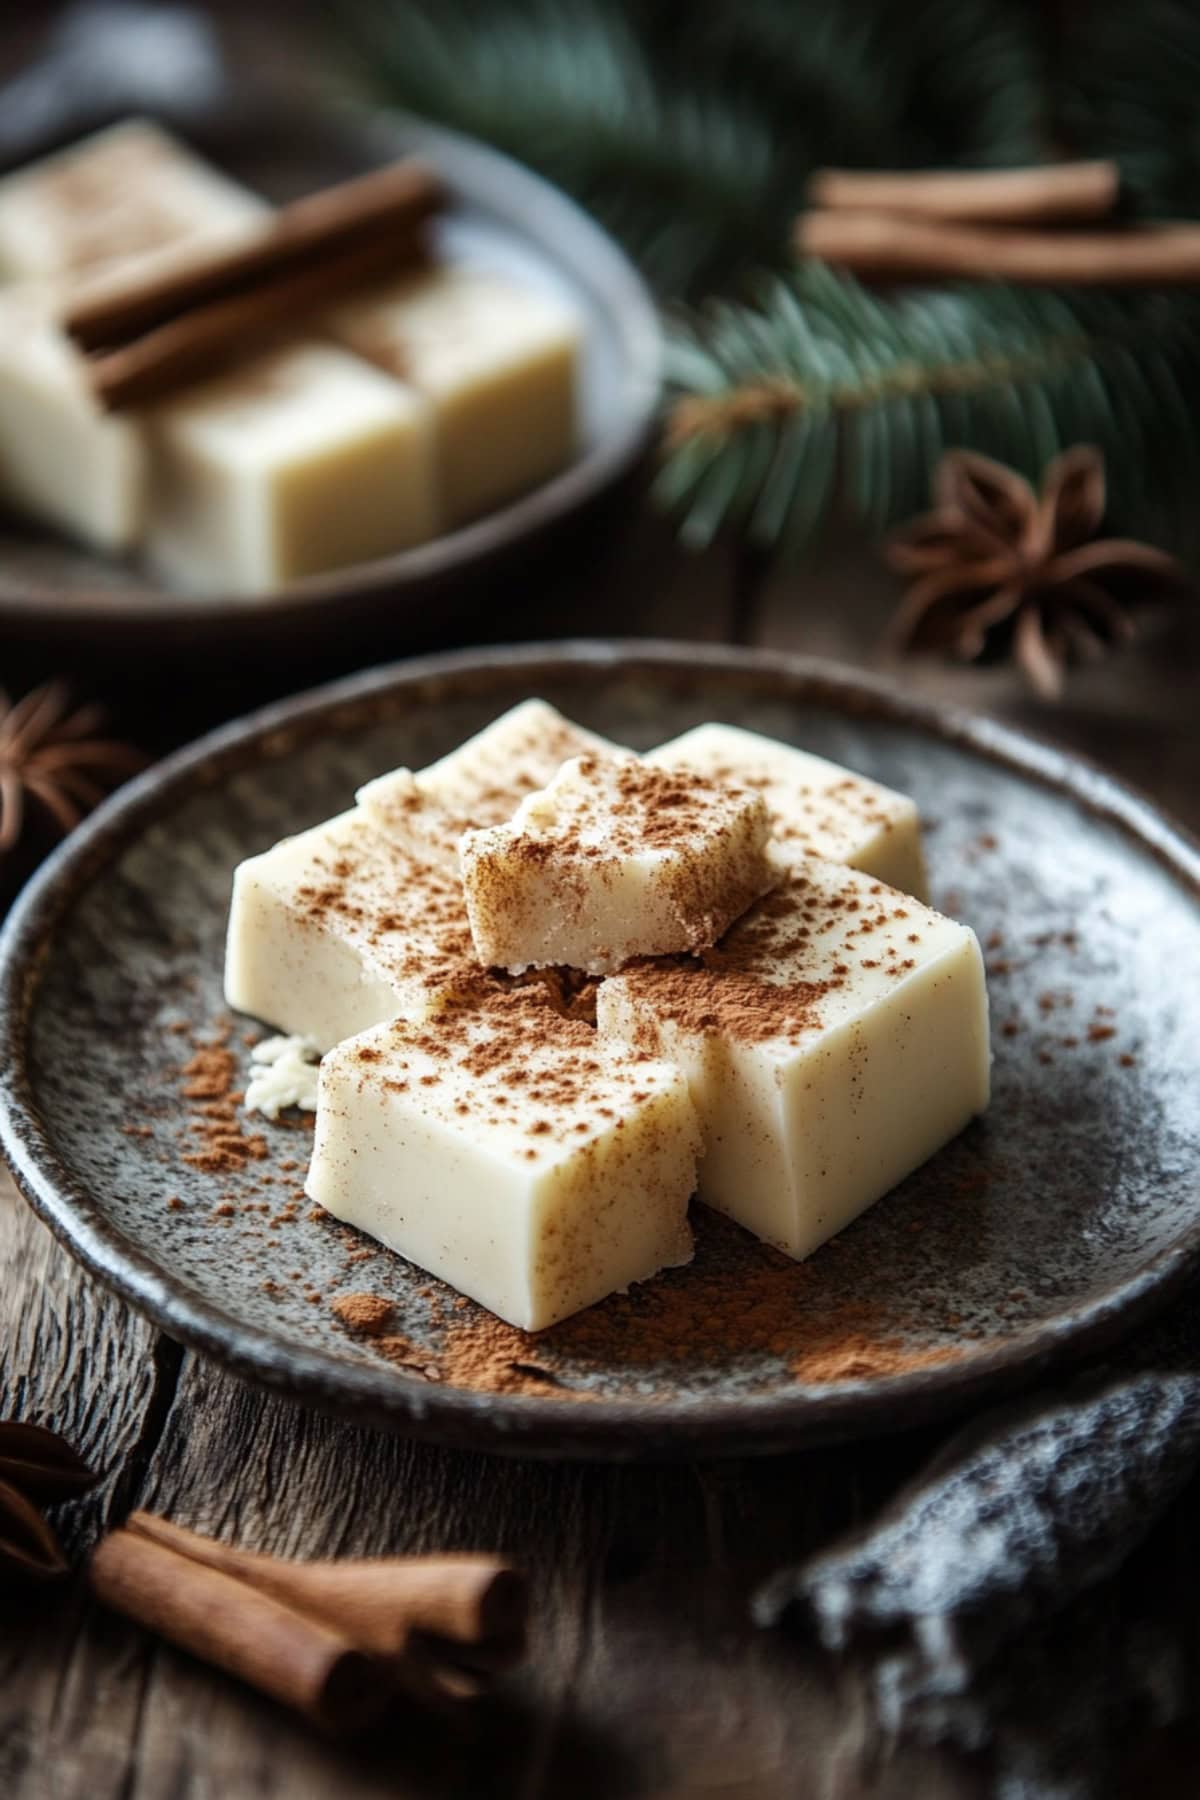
[(740, 1307)]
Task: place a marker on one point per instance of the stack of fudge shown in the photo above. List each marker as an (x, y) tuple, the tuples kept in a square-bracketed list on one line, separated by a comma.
[(398, 415), (560, 989)]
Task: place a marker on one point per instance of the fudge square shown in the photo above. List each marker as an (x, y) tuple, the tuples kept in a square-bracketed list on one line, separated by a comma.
[(303, 459), (486, 778), (131, 191), (62, 457), (130, 196), (340, 928), (612, 860), (817, 808), (834, 1041), (497, 363), (498, 1146)]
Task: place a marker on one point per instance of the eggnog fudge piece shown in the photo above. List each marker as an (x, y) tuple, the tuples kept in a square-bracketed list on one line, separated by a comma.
[(118, 202), (499, 1147), (62, 458), (486, 778), (816, 807), (125, 194), (498, 363), (340, 928), (836, 1039), (302, 460), (614, 860)]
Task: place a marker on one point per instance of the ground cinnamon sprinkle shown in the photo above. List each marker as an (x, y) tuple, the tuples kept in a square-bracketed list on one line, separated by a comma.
[(210, 1072), (740, 1307), (208, 1079), (365, 1314)]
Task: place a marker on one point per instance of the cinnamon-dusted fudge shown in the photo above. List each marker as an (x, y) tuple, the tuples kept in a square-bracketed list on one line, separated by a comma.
[(834, 1041), (612, 860), (498, 1146), (340, 928), (498, 364), (301, 460), (123, 195), (817, 808), (486, 778)]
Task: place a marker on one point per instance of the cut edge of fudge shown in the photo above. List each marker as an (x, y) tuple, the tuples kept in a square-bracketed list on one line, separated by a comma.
[(338, 929), (499, 1146), (835, 1040), (817, 807), (614, 859)]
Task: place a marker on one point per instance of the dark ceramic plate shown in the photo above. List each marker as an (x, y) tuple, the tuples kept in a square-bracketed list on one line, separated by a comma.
[(1046, 1229), (501, 217)]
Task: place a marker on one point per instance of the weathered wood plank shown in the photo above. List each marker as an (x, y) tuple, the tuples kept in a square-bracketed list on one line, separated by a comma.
[(645, 1675), (77, 1360), (73, 1357)]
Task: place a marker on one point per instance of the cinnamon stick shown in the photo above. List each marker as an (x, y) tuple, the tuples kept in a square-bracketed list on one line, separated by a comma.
[(1045, 194), (474, 1603), (149, 368), (288, 1655), (890, 247), (393, 201)]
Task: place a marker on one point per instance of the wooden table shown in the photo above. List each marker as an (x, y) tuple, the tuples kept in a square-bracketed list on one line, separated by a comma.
[(646, 1677)]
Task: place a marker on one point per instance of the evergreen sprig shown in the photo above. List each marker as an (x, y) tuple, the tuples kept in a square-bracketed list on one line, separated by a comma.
[(799, 396), (820, 391), (691, 131)]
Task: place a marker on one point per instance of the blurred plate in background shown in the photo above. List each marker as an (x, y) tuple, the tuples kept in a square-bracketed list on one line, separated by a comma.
[(501, 217)]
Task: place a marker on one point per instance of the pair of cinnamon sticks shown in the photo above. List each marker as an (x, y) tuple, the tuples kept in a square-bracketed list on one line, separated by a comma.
[(336, 1641), (145, 333), (1031, 225)]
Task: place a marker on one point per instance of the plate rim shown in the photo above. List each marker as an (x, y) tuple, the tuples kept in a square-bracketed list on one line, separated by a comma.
[(514, 191), (609, 1429)]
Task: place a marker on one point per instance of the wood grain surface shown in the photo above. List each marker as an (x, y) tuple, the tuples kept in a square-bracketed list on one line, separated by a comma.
[(645, 1676)]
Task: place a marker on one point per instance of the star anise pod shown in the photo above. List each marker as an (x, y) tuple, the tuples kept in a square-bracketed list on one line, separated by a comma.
[(29, 1549), (41, 1463), (52, 755), (34, 1464), (996, 566)]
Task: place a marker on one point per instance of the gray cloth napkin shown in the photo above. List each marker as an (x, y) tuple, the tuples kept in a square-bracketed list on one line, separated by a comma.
[(971, 1605)]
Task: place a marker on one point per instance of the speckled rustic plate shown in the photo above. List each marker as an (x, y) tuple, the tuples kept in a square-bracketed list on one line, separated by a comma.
[(501, 217), (1046, 1229)]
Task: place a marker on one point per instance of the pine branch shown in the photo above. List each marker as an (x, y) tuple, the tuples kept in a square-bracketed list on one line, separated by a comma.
[(823, 397), (682, 174), (691, 133)]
